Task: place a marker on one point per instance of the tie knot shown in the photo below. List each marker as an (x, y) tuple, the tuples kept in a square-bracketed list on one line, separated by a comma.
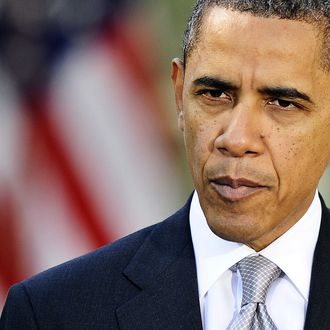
[(257, 274)]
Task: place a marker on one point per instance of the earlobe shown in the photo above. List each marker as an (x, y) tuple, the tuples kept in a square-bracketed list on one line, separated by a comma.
[(178, 80)]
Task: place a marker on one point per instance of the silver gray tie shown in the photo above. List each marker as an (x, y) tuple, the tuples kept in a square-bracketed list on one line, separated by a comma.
[(257, 274)]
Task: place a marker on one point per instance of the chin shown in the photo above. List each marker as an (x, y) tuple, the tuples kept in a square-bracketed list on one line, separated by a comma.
[(240, 231)]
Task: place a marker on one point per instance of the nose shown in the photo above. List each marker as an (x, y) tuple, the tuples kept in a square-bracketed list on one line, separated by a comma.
[(241, 133)]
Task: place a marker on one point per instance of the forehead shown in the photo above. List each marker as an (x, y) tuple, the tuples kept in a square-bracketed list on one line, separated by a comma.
[(236, 42)]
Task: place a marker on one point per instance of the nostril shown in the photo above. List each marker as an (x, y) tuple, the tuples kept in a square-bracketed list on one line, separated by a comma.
[(238, 152), (223, 150)]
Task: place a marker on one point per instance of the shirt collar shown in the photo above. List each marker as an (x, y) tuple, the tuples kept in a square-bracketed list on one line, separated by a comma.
[(292, 252)]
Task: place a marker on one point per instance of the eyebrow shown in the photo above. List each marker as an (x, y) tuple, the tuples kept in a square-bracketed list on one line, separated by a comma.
[(283, 92), (215, 83), (278, 92)]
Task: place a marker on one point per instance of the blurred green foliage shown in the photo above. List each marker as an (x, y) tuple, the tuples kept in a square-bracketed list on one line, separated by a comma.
[(169, 19)]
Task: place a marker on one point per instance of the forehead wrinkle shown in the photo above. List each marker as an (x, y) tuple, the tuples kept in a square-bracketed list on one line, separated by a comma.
[(219, 20), (260, 28), (314, 16)]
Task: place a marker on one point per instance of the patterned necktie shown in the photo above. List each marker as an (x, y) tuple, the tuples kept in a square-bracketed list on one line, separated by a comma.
[(257, 274)]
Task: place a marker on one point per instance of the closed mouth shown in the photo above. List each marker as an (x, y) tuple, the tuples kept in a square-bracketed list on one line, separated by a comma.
[(233, 190)]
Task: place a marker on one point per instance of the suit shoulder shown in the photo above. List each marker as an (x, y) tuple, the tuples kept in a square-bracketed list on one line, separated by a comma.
[(105, 263), (56, 298), (85, 292), (81, 291), (107, 259)]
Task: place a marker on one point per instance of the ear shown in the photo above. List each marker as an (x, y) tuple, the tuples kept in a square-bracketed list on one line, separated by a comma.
[(178, 80)]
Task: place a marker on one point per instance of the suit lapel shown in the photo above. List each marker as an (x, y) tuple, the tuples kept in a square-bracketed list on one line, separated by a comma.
[(318, 311), (165, 271)]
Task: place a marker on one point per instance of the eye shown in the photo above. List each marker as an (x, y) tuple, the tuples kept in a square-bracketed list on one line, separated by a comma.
[(214, 95), (284, 104)]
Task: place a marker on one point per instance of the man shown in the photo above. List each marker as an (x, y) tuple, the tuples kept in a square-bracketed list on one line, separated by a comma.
[(252, 97)]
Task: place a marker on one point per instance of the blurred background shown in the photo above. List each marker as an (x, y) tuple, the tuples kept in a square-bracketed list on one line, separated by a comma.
[(89, 145)]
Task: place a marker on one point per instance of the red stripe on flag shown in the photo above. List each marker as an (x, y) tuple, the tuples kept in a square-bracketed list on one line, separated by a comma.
[(79, 199), (10, 258)]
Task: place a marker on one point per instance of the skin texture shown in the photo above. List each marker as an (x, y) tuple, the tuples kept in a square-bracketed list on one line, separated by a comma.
[(258, 144)]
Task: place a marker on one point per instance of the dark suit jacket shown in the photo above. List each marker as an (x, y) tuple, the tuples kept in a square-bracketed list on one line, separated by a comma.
[(144, 281)]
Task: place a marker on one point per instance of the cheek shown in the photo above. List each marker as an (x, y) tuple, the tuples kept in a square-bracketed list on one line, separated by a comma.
[(321, 150), (200, 134), (299, 157), (316, 146)]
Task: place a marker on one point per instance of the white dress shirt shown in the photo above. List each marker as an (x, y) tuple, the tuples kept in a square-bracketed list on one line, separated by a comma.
[(220, 289)]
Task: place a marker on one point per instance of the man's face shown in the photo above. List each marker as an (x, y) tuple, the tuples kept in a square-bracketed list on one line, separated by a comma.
[(254, 106)]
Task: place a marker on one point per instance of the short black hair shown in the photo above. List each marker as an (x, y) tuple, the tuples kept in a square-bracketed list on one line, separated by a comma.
[(311, 11)]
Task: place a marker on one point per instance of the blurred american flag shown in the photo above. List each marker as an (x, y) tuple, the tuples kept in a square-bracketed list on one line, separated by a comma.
[(86, 152)]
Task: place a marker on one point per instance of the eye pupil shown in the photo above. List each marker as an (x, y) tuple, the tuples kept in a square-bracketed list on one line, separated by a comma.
[(284, 103), (215, 93)]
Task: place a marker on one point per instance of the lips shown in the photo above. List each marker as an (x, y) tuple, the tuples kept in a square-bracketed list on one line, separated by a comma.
[(236, 189)]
